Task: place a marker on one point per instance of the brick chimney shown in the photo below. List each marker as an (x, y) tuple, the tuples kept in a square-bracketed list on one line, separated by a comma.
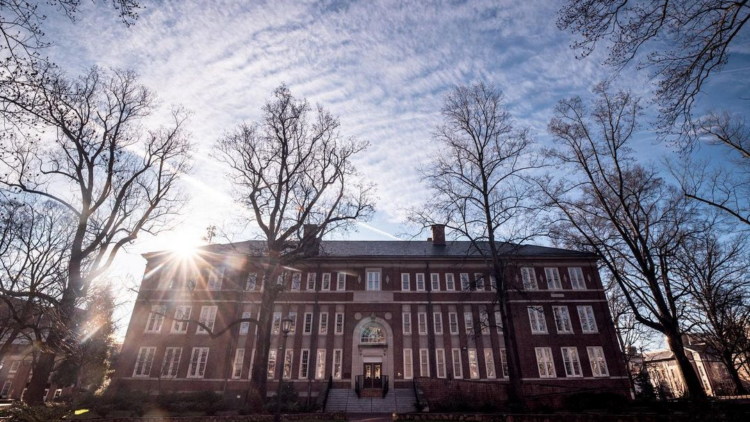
[(438, 234), (309, 238)]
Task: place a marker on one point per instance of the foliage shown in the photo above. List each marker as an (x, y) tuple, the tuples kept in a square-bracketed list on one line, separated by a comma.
[(289, 397), (200, 401), (644, 388), (612, 402), (21, 412)]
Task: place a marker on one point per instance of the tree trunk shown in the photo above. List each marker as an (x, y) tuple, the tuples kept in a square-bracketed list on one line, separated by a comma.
[(515, 385), (265, 321), (692, 382), (739, 387), (42, 370)]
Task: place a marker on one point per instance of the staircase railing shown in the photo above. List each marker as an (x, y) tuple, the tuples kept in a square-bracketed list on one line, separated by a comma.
[(327, 392), (358, 385), (416, 395), (384, 380)]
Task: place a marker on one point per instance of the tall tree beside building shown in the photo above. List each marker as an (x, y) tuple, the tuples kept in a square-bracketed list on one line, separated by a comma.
[(293, 171), (480, 186), (83, 144), (622, 210)]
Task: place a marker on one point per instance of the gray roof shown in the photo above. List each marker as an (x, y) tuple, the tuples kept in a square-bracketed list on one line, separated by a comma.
[(405, 249)]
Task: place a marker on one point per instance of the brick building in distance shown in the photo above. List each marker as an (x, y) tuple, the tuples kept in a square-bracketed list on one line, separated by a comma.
[(375, 313)]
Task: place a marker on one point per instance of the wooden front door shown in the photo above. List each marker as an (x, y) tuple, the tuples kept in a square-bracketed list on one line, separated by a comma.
[(373, 375)]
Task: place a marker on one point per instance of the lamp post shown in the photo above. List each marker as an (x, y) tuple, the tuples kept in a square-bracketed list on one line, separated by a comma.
[(286, 327)]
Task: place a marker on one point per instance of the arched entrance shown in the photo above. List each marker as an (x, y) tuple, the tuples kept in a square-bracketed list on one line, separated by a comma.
[(372, 356)]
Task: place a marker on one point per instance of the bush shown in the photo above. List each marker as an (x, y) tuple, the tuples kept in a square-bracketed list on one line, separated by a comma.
[(20, 412), (588, 401), (289, 400), (201, 401)]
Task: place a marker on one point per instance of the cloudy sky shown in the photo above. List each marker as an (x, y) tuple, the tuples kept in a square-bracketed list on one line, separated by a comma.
[(381, 66)]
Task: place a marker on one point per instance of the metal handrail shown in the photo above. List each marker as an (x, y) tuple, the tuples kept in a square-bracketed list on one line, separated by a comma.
[(384, 380), (416, 393), (328, 392), (358, 385)]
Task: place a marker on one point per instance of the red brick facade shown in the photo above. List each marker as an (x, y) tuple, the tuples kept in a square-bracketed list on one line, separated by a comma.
[(383, 308)]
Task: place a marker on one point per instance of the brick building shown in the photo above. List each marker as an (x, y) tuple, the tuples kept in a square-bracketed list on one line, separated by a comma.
[(374, 311)]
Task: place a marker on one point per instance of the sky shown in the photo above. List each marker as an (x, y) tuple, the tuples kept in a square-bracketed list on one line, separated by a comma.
[(382, 67)]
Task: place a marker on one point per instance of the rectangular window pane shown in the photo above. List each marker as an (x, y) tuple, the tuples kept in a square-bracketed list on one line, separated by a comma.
[(571, 362), (198, 361), (245, 325), (588, 322), (544, 362), (553, 278), (457, 367), (473, 364), (296, 281), (311, 281), (440, 361), (181, 317), (465, 283), (239, 358), (489, 362), (598, 362), (304, 364), (453, 322), (323, 323), (469, 322), (537, 320), (341, 281), (406, 322), (271, 373), (207, 318), (144, 361), (408, 364), (252, 281), (576, 278), (405, 282), (435, 282), (288, 364), (450, 282), (424, 363), (504, 362), (171, 362), (437, 319), (339, 324), (320, 364), (562, 319), (337, 362), (156, 318), (420, 283), (422, 323), (307, 327), (529, 278), (326, 282)]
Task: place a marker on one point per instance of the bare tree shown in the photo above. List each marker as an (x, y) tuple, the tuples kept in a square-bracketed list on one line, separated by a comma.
[(293, 171), (621, 210), (480, 186), (83, 146), (715, 268), (687, 42)]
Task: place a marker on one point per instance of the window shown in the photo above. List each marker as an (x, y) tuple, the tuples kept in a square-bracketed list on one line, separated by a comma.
[(339, 330), (537, 321), (288, 364), (529, 278), (598, 363), (276, 326), (372, 333), (311, 281), (271, 373), (576, 278), (215, 277), (450, 282), (406, 322), (239, 357), (553, 278), (504, 362), (420, 282), (46, 393), (484, 321), (307, 324), (440, 361), (156, 318), (457, 368), (57, 394), (465, 284), (23, 393), (320, 364), (588, 322), (489, 363), (6, 389), (208, 318), (435, 282), (144, 361), (422, 323), (296, 281), (453, 322), (479, 281), (373, 280), (469, 322), (544, 362), (14, 366), (437, 321), (493, 283), (499, 322), (171, 362), (198, 361), (252, 361), (341, 281), (326, 282), (304, 364), (473, 364), (424, 363), (293, 325), (281, 278), (562, 319), (405, 282), (181, 315), (245, 325), (323, 326), (337, 359), (252, 281), (408, 365), (571, 362)]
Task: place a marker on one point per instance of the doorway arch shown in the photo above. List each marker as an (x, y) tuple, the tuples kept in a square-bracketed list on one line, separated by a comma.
[(372, 344)]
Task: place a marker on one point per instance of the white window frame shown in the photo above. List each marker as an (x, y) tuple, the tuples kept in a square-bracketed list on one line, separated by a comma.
[(473, 364), (245, 325), (504, 362), (484, 321), (311, 280), (286, 370), (598, 361), (571, 362), (251, 283), (320, 364), (420, 282), (528, 276), (435, 282), (577, 281), (422, 323), (323, 323), (296, 281), (341, 281), (450, 282), (440, 363), (304, 364), (479, 282), (14, 366), (469, 322), (273, 363), (198, 362), (373, 280), (215, 278), (307, 324), (208, 314), (537, 320), (552, 274), (424, 362), (499, 322), (276, 323), (5, 392), (408, 364), (338, 363), (458, 369), (406, 323), (325, 282), (239, 358), (465, 282), (453, 322), (437, 322), (562, 317), (588, 319), (544, 362), (170, 367), (143, 362), (182, 312), (338, 328), (155, 319), (292, 315), (489, 363), (405, 282)]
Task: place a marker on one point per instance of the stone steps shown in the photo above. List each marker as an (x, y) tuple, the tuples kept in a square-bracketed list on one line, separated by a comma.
[(346, 400)]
